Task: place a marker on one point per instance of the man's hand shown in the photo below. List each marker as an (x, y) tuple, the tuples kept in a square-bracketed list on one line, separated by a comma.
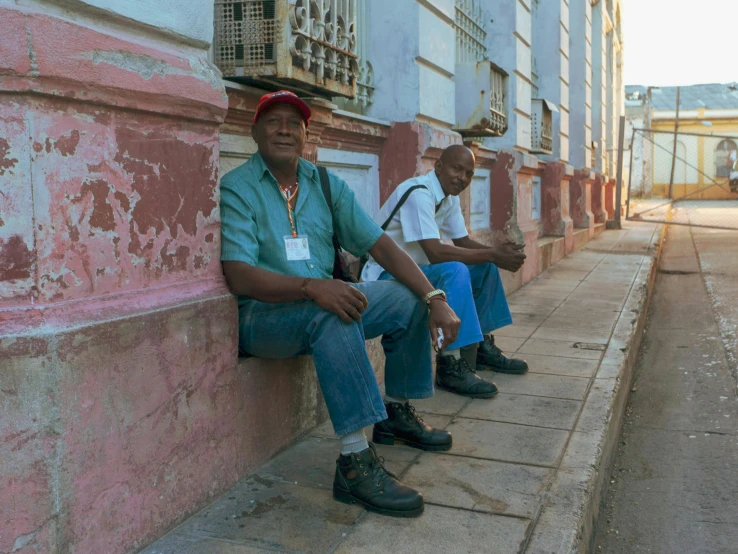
[(338, 297), (508, 256), (443, 317)]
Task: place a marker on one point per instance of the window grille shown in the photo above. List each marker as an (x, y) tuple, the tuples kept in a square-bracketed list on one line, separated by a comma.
[(534, 92), (309, 45), (470, 34), (365, 73), (541, 121)]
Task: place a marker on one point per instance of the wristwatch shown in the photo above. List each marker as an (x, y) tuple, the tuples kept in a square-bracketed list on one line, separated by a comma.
[(432, 294)]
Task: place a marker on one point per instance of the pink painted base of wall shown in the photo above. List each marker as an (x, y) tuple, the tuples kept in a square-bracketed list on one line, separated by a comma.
[(114, 429)]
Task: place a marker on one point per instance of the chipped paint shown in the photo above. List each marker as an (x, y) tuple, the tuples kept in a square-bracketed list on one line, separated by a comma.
[(16, 260), (6, 162), (67, 145), (168, 175)]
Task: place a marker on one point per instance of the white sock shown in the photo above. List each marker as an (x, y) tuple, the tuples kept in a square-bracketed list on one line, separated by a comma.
[(455, 353), (354, 442), (393, 399)]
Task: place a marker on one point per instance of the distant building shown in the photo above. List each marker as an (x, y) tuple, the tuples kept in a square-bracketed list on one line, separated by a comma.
[(707, 142)]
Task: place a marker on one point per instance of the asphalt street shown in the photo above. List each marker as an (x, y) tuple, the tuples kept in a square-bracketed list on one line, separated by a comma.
[(674, 485)]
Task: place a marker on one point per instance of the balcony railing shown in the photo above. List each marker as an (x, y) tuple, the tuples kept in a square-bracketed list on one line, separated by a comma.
[(481, 100), (304, 44)]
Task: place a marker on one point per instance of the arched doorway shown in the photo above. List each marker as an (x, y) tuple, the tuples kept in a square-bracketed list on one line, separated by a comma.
[(725, 155)]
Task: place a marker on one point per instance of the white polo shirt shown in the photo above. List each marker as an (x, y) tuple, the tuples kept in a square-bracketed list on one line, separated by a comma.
[(417, 219)]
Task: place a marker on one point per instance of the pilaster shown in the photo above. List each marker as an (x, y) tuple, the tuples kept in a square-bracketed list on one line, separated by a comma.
[(551, 51), (580, 85)]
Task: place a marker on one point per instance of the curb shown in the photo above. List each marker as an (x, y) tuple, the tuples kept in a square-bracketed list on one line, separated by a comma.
[(571, 506)]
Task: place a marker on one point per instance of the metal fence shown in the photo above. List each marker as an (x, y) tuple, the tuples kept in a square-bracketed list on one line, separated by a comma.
[(683, 178)]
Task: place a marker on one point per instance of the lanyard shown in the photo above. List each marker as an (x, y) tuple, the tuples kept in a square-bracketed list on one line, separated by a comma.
[(290, 212)]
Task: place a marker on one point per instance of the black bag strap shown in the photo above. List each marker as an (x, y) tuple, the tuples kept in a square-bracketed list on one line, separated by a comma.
[(325, 184), (402, 201)]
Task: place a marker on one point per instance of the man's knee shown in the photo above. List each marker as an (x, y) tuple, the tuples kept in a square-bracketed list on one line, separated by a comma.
[(454, 272)]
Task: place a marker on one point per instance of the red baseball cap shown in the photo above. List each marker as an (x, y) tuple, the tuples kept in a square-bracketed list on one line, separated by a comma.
[(283, 97)]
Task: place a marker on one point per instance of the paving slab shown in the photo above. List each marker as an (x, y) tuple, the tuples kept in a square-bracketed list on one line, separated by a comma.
[(540, 384), (554, 365), (564, 349), (262, 513), (479, 485), (537, 411), (571, 335), (516, 330), (441, 530), (442, 402), (523, 475), (507, 442), (509, 344)]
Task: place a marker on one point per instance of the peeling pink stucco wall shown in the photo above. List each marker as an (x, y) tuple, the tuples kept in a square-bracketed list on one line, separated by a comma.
[(121, 405), (120, 202)]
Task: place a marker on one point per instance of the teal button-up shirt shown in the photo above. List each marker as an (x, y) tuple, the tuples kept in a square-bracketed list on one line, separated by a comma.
[(255, 221)]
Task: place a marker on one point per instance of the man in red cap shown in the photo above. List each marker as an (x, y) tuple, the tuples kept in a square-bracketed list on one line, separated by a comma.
[(278, 256)]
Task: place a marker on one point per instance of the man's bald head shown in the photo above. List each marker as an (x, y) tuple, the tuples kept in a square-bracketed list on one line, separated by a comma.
[(455, 151), (455, 169)]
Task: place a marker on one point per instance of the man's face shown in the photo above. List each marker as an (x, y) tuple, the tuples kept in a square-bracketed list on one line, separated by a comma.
[(280, 134), (455, 173)]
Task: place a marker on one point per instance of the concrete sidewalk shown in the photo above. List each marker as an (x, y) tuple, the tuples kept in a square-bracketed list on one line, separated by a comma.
[(525, 472)]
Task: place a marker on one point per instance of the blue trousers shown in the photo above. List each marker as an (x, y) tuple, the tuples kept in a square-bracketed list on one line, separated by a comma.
[(345, 375), (475, 293)]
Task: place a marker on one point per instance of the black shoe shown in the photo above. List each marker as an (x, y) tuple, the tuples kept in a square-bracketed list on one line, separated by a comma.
[(404, 425), (455, 375), (491, 357), (362, 478)]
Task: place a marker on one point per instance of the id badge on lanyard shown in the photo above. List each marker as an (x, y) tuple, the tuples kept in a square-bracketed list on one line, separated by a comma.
[(297, 248)]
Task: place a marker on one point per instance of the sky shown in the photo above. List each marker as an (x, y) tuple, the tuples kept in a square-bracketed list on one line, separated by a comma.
[(680, 42)]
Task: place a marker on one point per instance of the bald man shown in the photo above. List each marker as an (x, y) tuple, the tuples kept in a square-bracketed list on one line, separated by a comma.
[(418, 215)]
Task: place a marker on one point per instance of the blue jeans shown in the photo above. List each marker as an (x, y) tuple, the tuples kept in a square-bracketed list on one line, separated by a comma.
[(346, 377), (475, 293)]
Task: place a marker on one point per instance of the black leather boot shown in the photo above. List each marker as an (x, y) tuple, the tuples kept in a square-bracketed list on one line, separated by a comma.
[(404, 425), (362, 478), (455, 375), (491, 357)]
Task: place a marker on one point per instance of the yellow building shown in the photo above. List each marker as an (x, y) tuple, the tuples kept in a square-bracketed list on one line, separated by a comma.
[(706, 146)]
